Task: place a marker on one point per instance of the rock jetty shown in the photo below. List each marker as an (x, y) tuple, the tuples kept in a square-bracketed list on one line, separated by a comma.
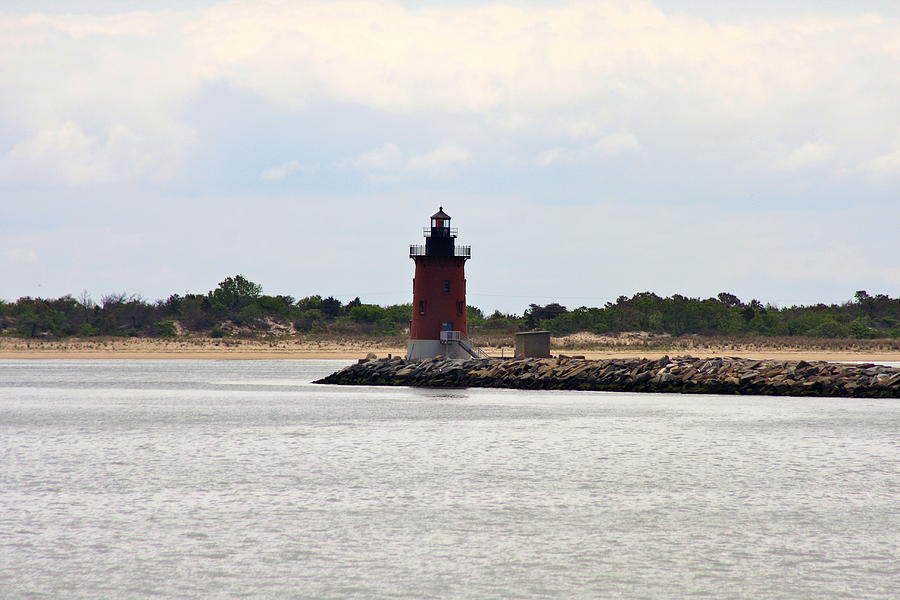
[(681, 374)]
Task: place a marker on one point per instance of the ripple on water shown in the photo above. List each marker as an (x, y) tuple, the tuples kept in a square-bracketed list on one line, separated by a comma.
[(186, 479)]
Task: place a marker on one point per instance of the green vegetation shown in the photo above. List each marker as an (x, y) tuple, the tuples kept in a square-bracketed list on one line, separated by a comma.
[(864, 317), (238, 307)]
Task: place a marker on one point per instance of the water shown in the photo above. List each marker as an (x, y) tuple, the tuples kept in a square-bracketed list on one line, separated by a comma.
[(239, 479)]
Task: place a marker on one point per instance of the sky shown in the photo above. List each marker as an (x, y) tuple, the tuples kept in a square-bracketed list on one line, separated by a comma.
[(585, 150)]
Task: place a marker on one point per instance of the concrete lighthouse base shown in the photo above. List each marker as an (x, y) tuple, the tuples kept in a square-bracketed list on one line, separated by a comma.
[(433, 349)]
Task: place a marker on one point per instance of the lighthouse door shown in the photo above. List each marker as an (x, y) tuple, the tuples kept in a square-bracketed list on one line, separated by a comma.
[(447, 326)]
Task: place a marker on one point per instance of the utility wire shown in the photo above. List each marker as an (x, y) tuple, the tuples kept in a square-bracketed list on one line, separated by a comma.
[(476, 294)]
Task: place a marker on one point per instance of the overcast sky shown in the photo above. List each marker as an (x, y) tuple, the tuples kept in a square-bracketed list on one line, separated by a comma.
[(585, 150)]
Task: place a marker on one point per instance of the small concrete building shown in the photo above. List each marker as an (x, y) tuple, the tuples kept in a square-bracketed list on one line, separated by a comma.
[(533, 344)]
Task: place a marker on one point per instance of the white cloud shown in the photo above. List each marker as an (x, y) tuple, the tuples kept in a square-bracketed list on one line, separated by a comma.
[(20, 256), (615, 144), (557, 156), (886, 165), (605, 147), (67, 154), (570, 69), (390, 158), (443, 156), (810, 154), (509, 58), (386, 157), (96, 99), (283, 171)]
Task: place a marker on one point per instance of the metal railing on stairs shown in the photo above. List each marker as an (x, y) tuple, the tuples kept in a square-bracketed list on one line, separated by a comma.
[(455, 337), (472, 349)]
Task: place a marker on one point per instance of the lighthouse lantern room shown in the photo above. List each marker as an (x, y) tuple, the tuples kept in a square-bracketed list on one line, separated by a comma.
[(439, 325)]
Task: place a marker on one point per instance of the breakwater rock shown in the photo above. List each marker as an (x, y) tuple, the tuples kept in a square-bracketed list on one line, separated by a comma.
[(681, 374)]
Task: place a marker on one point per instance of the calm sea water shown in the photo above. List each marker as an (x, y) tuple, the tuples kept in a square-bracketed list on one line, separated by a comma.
[(239, 479)]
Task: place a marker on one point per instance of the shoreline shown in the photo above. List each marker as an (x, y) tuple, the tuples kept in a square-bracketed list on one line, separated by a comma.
[(191, 349), (232, 349), (248, 355)]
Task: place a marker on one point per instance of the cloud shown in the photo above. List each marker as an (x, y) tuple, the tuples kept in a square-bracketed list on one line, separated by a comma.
[(556, 156), (517, 76), (386, 157), (883, 166), (68, 155), (283, 171), (20, 256), (443, 156), (741, 89), (607, 146), (390, 158), (497, 56), (95, 99), (810, 154), (616, 143)]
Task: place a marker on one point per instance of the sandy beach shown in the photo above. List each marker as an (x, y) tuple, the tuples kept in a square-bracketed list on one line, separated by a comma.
[(192, 348), (241, 349)]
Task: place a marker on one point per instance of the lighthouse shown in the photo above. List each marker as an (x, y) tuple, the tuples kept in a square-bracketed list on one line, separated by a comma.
[(439, 326)]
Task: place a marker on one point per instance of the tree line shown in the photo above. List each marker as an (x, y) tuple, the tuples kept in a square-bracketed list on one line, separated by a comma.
[(237, 307), (865, 316)]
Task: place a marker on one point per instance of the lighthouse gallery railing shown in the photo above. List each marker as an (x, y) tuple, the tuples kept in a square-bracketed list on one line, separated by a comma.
[(440, 231), (419, 250)]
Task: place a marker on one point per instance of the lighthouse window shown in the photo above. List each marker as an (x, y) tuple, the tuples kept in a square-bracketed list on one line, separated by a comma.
[(421, 307), (446, 286), (460, 307)]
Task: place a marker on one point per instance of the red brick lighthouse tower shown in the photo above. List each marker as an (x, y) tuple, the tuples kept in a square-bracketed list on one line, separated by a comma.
[(439, 325)]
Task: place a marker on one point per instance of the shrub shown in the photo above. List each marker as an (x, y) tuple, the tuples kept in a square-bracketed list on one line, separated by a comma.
[(87, 330), (830, 329), (165, 329), (249, 315), (367, 313)]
